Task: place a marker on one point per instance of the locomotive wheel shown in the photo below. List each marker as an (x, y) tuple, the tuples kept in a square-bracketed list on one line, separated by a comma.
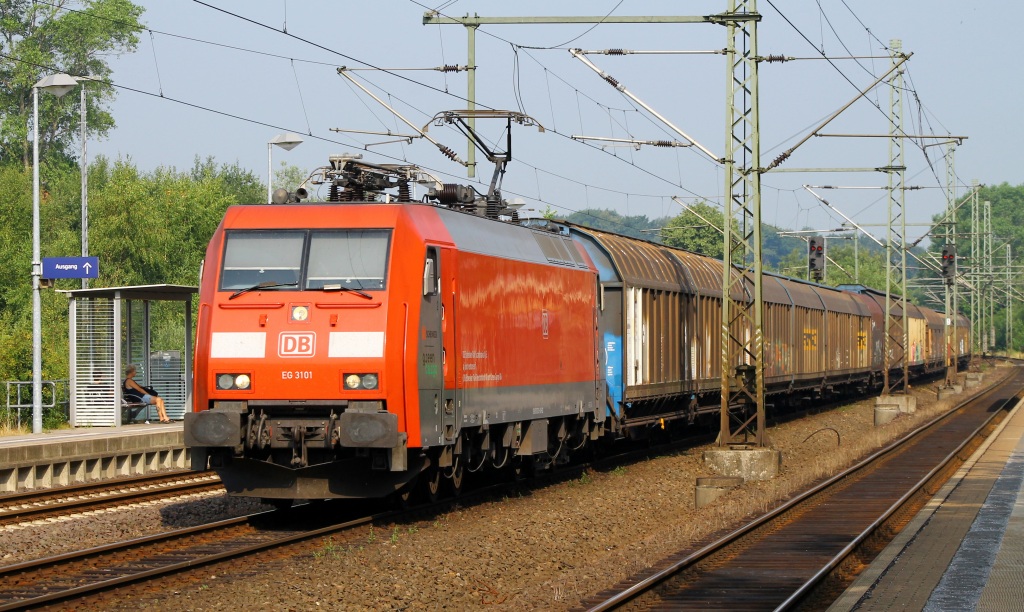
[(431, 479), (402, 499), (458, 473)]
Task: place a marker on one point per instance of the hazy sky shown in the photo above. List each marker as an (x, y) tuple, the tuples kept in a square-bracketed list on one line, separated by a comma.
[(210, 83)]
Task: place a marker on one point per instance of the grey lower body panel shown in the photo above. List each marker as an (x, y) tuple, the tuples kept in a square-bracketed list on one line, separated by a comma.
[(511, 404), (349, 478)]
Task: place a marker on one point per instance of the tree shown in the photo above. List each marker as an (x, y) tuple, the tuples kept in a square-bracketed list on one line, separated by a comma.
[(698, 228), (636, 226), (239, 184), (146, 228), (63, 36), (290, 176)]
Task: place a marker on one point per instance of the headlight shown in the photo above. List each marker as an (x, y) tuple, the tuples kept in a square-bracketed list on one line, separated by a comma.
[(360, 381), (227, 382)]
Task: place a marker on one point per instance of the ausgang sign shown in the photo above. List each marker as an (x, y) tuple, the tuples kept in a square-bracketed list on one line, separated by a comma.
[(71, 267)]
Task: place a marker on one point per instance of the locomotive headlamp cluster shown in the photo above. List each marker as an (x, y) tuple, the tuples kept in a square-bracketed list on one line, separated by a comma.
[(233, 381), (360, 381)]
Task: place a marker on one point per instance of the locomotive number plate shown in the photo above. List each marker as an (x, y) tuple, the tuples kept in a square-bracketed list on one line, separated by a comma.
[(296, 374)]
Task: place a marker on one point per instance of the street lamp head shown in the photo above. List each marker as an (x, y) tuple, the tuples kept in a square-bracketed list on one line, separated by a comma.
[(57, 84), (286, 141)]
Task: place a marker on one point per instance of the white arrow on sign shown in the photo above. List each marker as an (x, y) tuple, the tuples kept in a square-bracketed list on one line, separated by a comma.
[(87, 266)]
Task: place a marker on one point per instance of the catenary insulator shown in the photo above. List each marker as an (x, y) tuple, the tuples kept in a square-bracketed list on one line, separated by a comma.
[(780, 159), (774, 58), (612, 81), (663, 143), (450, 68), (447, 152), (616, 52)]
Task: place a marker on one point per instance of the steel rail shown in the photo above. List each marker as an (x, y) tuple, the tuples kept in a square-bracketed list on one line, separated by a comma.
[(818, 578), (649, 583), (35, 505), (8, 573), (98, 486)]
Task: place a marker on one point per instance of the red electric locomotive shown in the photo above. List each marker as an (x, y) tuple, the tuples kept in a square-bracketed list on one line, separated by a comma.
[(346, 348), (353, 347)]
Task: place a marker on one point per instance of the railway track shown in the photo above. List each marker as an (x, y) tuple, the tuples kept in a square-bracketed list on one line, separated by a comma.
[(91, 575), (102, 569), (805, 553), (64, 501)]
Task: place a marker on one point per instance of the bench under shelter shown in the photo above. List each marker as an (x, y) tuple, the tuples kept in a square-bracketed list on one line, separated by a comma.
[(149, 326)]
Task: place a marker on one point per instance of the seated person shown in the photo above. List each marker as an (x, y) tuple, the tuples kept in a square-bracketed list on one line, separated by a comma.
[(146, 395)]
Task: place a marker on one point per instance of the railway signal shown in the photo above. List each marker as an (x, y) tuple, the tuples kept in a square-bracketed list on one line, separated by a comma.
[(816, 258), (949, 263)]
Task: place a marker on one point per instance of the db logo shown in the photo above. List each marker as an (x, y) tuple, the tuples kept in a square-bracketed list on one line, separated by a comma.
[(296, 344)]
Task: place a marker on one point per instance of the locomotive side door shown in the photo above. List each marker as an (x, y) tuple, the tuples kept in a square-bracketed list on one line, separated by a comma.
[(451, 403), (439, 409), (430, 354)]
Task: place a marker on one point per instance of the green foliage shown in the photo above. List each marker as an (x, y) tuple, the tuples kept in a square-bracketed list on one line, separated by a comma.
[(698, 228), (847, 264), (54, 418), (47, 39), (290, 177), (146, 228), (239, 184), (637, 226), (1006, 203)]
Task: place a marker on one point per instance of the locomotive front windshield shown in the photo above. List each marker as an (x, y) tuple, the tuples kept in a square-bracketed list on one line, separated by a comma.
[(310, 259)]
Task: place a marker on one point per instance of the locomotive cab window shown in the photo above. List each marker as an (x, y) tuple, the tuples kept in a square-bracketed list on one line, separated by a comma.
[(354, 259), (314, 260), (252, 258)]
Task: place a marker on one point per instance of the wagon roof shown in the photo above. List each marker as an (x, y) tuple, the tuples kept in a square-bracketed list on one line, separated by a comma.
[(657, 266)]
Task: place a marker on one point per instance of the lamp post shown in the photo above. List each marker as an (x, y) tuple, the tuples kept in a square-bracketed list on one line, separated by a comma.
[(287, 141), (58, 85), (85, 178)]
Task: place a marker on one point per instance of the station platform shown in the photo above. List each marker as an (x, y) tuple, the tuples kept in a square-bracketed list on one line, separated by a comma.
[(965, 549), (70, 456)]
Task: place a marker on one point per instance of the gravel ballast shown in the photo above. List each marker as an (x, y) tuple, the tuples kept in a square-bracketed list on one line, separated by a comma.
[(545, 548)]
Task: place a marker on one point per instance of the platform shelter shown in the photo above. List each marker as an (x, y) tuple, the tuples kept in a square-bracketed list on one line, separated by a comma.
[(113, 327)]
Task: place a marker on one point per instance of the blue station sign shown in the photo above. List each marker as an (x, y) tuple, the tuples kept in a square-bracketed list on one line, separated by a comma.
[(71, 267)]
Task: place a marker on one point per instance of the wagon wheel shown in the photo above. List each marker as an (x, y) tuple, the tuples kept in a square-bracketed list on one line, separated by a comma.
[(522, 468)]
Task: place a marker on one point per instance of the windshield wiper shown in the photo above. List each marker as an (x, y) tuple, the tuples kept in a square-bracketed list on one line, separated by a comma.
[(343, 288), (263, 285)]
